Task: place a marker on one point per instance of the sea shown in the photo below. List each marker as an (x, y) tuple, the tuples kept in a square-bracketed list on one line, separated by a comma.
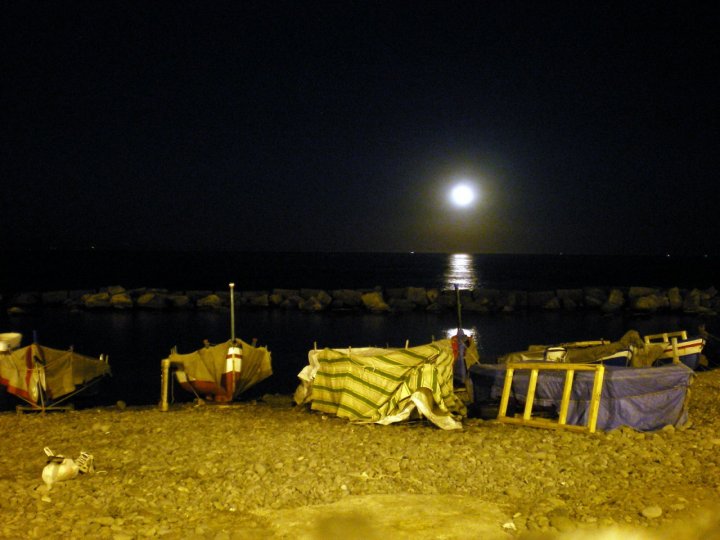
[(137, 340)]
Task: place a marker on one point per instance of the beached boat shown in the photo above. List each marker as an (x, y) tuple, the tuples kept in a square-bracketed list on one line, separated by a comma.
[(637, 382), (646, 399), (218, 373), (45, 378), (630, 350)]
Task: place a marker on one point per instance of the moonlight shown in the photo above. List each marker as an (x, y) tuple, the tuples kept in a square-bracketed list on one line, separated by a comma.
[(462, 195)]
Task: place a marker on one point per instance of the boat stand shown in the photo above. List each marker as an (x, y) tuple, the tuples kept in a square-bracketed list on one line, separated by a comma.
[(527, 418), (19, 409)]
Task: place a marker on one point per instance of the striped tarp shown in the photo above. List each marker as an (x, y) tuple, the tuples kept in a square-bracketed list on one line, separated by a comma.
[(387, 385)]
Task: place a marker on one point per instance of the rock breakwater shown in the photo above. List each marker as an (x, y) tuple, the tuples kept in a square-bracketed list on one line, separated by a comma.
[(635, 299)]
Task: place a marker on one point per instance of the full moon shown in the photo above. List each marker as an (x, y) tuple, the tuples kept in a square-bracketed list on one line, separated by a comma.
[(462, 195)]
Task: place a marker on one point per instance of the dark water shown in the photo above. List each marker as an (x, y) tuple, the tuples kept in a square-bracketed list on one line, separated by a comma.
[(137, 340), (214, 270)]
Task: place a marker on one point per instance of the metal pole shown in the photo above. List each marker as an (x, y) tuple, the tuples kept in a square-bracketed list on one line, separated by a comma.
[(232, 312), (459, 306)]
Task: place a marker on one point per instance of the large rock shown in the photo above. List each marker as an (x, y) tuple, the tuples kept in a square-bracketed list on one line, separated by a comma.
[(347, 298), (260, 300), (374, 302), (637, 292), (594, 297), (401, 304), (180, 301), (615, 301), (26, 298), (396, 293), (211, 301), (310, 304), (96, 300), (675, 298), (54, 297), (541, 299), (692, 302), (121, 301), (649, 303), (152, 300), (447, 299), (115, 289)]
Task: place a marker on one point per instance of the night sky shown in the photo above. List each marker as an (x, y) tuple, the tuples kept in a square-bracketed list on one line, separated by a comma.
[(586, 127)]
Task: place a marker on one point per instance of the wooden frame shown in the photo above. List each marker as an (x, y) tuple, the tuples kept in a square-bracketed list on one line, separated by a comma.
[(569, 369)]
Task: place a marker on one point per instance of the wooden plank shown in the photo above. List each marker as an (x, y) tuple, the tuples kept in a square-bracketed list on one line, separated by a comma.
[(565, 402), (502, 411)]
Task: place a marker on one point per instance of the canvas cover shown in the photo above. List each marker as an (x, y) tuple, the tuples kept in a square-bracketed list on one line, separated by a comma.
[(59, 373), (383, 385), (208, 364), (645, 399)]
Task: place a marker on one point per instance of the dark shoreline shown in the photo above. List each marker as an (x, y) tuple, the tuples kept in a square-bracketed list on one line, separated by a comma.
[(379, 300)]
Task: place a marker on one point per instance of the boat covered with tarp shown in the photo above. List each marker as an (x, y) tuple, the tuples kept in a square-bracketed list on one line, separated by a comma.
[(217, 373), (44, 377), (386, 385), (645, 399)]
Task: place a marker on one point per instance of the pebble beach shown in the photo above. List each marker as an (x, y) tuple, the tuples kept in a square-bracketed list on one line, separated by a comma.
[(268, 469)]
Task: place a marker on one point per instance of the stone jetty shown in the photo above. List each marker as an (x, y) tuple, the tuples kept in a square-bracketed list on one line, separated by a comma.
[(634, 299)]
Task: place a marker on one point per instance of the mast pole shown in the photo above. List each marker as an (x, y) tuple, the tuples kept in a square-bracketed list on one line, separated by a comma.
[(459, 306), (232, 312)]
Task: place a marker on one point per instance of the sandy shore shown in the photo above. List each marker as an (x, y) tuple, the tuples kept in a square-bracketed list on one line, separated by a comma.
[(266, 469)]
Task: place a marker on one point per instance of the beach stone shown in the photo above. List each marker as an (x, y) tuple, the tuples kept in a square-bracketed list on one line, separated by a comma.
[(652, 512)]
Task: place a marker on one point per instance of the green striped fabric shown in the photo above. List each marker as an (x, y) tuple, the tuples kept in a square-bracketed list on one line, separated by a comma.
[(371, 387)]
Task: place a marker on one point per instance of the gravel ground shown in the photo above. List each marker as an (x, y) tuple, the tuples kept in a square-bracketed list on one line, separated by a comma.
[(267, 469)]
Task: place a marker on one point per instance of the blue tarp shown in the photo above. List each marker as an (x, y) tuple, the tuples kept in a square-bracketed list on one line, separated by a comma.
[(645, 399)]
